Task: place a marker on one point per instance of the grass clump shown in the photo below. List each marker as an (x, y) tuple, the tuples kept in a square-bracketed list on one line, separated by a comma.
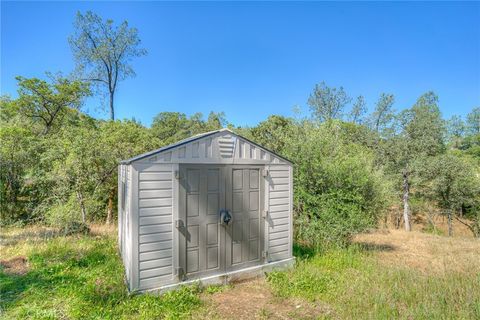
[(316, 277)]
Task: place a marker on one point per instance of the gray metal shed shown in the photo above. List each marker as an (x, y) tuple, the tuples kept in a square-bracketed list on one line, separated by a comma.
[(211, 208)]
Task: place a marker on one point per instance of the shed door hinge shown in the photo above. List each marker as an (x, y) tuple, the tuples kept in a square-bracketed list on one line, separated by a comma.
[(264, 254), (265, 214), (179, 272), (265, 173), (177, 174)]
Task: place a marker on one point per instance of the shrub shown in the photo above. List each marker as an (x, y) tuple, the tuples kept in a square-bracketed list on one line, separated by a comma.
[(338, 189), (67, 217)]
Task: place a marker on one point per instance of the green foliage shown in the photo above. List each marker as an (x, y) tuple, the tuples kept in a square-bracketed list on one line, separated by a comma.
[(453, 183), (473, 121), (171, 127), (68, 175), (359, 109), (273, 133), (455, 130), (17, 144), (430, 228), (62, 214), (381, 120), (425, 128), (327, 103), (346, 174), (450, 181), (47, 103), (338, 190)]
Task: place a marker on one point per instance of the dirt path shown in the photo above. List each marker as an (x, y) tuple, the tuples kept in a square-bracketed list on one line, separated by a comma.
[(254, 300)]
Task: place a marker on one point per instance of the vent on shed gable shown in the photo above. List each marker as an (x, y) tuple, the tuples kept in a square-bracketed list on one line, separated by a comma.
[(226, 145)]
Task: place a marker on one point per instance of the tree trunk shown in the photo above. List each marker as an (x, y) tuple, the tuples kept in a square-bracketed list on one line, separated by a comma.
[(450, 226), (406, 194), (474, 227), (82, 207), (110, 208), (112, 110), (398, 219)]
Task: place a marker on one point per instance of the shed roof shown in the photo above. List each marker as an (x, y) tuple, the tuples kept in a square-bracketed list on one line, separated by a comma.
[(195, 138)]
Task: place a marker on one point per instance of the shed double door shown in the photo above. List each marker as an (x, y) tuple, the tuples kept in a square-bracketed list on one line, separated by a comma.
[(206, 245)]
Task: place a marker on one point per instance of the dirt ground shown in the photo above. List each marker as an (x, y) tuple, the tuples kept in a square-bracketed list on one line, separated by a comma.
[(254, 300), (15, 266)]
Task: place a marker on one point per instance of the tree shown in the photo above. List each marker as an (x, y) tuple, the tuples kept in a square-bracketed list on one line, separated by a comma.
[(473, 121), (453, 183), (215, 121), (171, 127), (48, 102), (16, 145), (84, 161), (103, 51), (421, 133), (383, 115), (425, 129), (167, 126), (120, 140), (327, 103), (359, 109), (273, 133), (338, 189), (455, 130)]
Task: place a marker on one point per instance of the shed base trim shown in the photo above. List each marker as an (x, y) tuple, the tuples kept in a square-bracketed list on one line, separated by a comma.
[(224, 278)]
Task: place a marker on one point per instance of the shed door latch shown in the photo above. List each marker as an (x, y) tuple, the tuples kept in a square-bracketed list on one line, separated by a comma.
[(265, 214), (178, 223), (265, 173), (264, 254)]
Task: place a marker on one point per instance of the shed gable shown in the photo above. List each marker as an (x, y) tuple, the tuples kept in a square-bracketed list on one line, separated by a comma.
[(221, 146)]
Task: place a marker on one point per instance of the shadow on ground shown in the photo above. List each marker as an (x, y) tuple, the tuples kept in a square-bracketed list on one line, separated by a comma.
[(375, 247)]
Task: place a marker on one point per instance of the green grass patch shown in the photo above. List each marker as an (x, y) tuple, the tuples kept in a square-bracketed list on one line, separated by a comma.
[(82, 278)]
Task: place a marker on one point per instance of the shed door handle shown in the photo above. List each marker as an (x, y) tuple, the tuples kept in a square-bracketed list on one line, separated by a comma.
[(225, 217)]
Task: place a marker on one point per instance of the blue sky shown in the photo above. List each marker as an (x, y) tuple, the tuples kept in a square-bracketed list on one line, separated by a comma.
[(254, 59)]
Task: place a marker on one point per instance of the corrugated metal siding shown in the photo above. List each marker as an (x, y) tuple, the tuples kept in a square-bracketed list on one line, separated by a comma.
[(279, 212), (155, 227)]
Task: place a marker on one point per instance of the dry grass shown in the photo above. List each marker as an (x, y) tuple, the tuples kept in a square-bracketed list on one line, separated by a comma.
[(420, 223), (103, 229), (425, 252), (19, 241)]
